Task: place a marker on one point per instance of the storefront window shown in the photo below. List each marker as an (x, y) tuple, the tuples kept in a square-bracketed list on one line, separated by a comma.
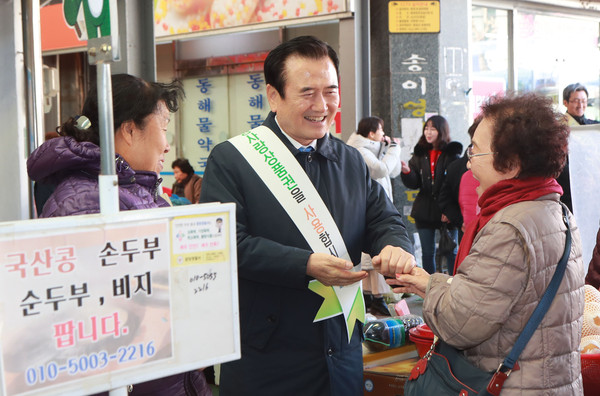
[(552, 52), (489, 52)]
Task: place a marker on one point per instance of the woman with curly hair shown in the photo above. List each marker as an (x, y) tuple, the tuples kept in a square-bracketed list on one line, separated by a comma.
[(510, 252), (426, 171)]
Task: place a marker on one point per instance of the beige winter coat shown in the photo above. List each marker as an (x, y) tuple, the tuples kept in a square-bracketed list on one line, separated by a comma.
[(484, 308)]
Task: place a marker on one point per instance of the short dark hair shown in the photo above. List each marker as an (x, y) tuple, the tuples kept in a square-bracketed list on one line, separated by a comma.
[(133, 100), (527, 132), (569, 89), (184, 165), (443, 128), (368, 124), (303, 46)]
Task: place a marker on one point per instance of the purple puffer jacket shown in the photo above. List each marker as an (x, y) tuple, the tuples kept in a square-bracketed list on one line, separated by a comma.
[(74, 168)]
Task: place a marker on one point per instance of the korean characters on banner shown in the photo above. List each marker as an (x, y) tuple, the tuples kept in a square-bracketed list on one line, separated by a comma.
[(85, 303), (414, 85), (217, 108), (417, 79), (248, 101), (205, 118)]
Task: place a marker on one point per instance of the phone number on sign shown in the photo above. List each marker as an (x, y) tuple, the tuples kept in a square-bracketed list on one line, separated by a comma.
[(85, 363)]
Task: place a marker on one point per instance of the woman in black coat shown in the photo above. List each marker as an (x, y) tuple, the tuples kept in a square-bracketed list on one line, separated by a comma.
[(426, 171)]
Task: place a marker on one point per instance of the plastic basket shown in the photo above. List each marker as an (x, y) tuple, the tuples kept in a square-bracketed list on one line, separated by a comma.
[(590, 371)]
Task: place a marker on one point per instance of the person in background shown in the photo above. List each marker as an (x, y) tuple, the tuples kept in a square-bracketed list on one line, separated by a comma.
[(575, 99), (509, 254), (426, 171), (141, 113), (382, 156), (467, 199), (284, 350), (187, 183), (458, 198)]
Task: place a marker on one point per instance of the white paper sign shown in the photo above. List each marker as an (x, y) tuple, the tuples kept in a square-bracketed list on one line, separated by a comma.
[(93, 303), (584, 171)]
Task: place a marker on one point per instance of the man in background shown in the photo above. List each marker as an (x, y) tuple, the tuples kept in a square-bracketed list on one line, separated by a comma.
[(575, 99), (382, 156)]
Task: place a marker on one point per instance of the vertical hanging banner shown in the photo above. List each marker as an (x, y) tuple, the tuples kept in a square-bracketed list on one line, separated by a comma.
[(216, 106), (204, 118), (247, 101), (92, 303)]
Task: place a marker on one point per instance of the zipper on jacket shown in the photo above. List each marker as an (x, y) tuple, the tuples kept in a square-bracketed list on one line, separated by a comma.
[(156, 185)]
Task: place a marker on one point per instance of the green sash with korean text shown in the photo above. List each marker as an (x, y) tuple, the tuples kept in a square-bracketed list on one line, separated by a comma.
[(289, 183)]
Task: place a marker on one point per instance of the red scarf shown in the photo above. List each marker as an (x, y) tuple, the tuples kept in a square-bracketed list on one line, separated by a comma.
[(498, 196)]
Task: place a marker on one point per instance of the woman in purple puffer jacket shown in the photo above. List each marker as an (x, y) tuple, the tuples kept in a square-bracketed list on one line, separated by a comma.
[(71, 162)]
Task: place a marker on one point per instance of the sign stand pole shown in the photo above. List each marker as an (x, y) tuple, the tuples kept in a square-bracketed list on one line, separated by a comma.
[(101, 52), (102, 33), (107, 180)]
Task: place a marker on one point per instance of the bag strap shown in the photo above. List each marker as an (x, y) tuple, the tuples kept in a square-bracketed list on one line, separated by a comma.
[(506, 367)]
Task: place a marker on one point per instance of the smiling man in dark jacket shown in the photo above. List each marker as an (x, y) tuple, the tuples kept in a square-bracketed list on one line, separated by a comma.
[(284, 350)]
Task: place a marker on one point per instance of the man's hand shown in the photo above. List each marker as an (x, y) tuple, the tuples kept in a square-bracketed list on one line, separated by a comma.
[(414, 282), (394, 260), (332, 271)]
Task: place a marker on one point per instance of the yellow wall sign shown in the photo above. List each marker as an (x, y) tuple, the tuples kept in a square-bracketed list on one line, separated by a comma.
[(414, 16)]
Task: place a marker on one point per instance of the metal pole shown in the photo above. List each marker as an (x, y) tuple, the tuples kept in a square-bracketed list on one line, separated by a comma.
[(102, 51), (365, 57), (33, 79), (107, 180), (105, 116)]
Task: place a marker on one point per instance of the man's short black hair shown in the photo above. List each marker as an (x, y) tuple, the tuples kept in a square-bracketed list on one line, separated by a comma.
[(303, 46)]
